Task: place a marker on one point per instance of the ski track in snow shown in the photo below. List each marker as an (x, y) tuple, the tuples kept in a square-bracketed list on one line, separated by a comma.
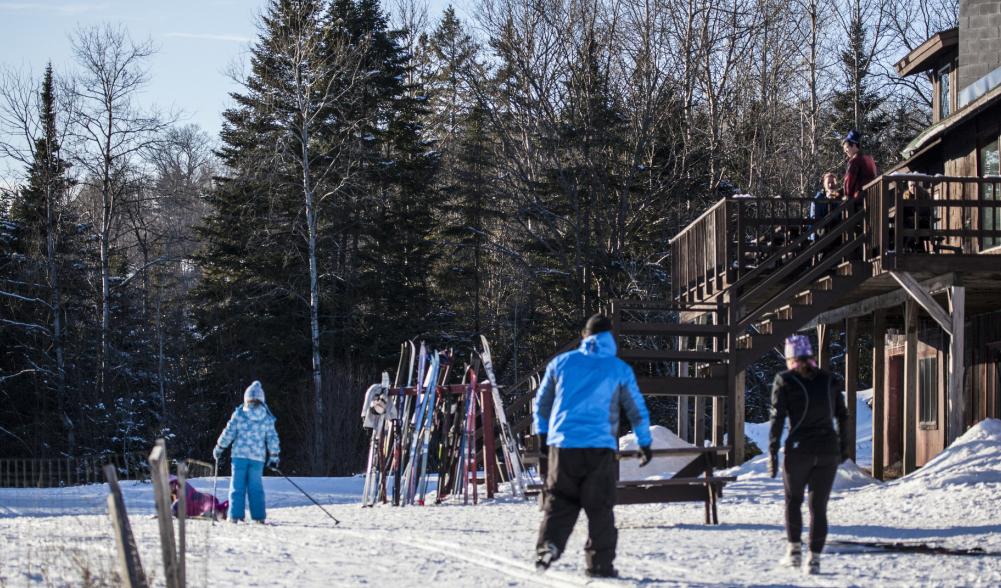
[(954, 503)]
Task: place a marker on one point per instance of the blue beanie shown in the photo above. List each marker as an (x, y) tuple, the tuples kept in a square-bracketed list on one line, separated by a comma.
[(254, 392), (853, 136)]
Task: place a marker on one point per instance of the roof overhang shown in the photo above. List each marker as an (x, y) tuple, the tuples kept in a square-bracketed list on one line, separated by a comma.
[(906, 165), (942, 127), (940, 48)]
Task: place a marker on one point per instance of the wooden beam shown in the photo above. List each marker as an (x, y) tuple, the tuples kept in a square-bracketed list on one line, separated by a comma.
[(954, 396), (883, 301), (851, 380), (671, 386), (878, 390), (683, 418), (823, 350), (924, 298), (737, 418), (130, 568), (910, 391), (718, 420), (700, 421)]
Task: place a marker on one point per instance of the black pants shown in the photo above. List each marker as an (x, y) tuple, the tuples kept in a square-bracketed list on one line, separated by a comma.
[(581, 478), (817, 472)]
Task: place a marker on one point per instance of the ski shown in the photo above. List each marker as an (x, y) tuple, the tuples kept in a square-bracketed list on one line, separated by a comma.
[(512, 457)]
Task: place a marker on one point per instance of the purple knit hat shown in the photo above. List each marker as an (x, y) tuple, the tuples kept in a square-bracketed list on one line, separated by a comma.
[(798, 346)]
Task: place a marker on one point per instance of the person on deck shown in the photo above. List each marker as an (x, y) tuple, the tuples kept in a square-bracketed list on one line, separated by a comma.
[(577, 417), (861, 168), (917, 218), (810, 399), (824, 201), (251, 431)]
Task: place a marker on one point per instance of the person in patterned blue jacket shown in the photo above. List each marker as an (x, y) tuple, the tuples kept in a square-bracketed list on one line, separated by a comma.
[(252, 435), (577, 410)]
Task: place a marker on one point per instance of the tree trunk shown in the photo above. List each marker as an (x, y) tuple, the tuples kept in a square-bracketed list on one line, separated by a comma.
[(314, 308)]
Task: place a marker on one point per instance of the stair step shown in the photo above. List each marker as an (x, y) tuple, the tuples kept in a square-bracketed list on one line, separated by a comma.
[(768, 326)]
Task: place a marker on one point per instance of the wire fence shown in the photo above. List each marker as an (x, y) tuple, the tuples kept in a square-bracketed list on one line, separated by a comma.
[(70, 471), (55, 524)]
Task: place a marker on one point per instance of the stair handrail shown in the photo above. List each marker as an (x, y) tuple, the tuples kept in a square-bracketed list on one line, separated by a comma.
[(823, 223), (812, 271)]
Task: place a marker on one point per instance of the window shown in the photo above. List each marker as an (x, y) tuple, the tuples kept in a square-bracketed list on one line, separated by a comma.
[(944, 97), (990, 165), (928, 390)]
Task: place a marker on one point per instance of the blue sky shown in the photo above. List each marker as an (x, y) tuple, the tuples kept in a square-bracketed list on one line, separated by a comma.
[(198, 42)]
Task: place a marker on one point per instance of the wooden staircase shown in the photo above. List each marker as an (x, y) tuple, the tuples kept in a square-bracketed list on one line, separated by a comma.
[(699, 344)]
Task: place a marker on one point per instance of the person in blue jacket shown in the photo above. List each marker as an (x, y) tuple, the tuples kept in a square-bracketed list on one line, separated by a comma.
[(251, 432), (577, 409)]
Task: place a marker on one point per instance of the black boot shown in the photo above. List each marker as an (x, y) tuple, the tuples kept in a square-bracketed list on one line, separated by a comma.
[(546, 556), (602, 572)]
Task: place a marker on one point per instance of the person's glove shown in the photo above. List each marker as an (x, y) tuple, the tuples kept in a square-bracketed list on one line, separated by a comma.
[(217, 452), (543, 455), (646, 454), (773, 465), (273, 462)]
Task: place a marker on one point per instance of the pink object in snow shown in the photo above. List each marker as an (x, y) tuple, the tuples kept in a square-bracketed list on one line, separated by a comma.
[(198, 504)]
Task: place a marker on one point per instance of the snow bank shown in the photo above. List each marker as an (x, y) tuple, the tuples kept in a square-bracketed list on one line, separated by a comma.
[(974, 458), (849, 476), (659, 467)]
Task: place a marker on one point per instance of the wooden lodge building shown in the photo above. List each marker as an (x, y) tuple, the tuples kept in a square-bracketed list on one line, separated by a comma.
[(914, 272), (917, 269)]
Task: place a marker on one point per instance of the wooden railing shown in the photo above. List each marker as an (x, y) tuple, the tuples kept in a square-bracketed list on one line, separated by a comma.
[(734, 237), (917, 214)]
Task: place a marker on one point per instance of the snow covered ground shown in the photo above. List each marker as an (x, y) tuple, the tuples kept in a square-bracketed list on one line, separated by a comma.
[(953, 504)]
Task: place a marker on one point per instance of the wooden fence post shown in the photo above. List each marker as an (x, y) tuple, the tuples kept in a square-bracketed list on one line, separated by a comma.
[(129, 565), (161, 492), (182, 515)]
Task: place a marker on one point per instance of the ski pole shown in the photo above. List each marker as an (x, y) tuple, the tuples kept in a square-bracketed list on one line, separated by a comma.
[(304, 493), (215, 484)]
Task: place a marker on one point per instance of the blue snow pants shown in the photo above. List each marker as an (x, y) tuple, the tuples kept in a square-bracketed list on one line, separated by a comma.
[(247, 480)]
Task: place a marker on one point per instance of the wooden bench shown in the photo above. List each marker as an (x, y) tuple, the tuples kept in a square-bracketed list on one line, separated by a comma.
[(695, 482)]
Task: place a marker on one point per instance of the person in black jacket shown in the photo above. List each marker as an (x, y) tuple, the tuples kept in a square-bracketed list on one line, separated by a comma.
[(811, 400)]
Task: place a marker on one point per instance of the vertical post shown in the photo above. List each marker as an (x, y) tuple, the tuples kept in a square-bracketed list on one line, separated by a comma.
[(699, 432), (898, 211), (161, 494), (681, 344), (737, 419), (489, 447), (824, 347), (851, 381), (683, 418), (736, 379), (129, 564), (182, 515), (878, 390), (955, 400), (910, 385), (740, 239)]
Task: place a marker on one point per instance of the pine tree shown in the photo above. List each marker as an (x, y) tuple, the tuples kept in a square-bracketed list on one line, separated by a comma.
[(42, 235), (859, 106)]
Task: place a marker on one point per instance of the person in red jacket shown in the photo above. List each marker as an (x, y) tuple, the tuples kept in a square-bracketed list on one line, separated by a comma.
[(861, 168)]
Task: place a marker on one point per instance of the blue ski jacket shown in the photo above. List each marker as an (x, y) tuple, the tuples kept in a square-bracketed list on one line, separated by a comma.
[(578, 402), (252, 433)]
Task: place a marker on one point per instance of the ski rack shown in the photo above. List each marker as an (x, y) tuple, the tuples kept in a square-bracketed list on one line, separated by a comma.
[(485, 404)]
